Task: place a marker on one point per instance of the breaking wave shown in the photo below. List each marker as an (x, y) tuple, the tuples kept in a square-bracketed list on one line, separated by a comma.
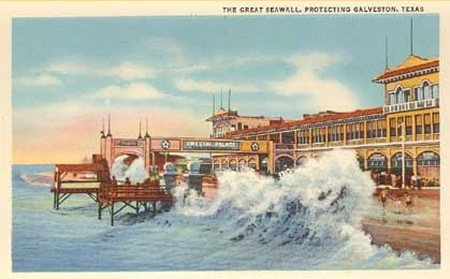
[(314, 211), (135, 171)]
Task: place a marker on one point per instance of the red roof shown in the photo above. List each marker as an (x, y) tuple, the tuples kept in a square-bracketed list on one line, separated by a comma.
[(403, 71), (313, 119)]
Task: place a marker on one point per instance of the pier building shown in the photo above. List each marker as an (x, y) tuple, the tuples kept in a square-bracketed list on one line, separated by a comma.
[(406, 126)]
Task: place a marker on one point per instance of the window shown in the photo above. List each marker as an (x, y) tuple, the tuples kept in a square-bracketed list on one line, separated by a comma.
[(399, 126), (435, 91), (407, 94), (436, 122), (426, 90), (382, 127), (393, 127), (427, 121), (418, 94), (418, 124), (377, 161), (392, 98), (428, 158), (397, 160), (350, 134), (408, 120), (399, 95)]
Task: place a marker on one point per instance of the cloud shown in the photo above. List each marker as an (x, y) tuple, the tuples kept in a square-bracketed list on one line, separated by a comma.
[(209, 86), (76, 133), (309, 90), (133, 91), (40, 80), (128, 71), (222, 62)]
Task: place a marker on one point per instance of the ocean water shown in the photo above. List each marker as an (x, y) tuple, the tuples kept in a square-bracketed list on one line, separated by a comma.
[(310, 219)]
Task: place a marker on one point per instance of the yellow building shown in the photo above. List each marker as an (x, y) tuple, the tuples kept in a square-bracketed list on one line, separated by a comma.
[(411, 107)]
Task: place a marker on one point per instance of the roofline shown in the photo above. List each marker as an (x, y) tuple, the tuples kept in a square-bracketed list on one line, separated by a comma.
[(313, 120), (388, 75)]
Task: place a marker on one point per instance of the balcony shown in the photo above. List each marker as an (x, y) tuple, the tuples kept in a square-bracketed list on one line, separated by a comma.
[(411, 106), (284, 146)]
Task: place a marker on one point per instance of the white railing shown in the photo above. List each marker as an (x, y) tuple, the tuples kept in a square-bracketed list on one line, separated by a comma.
[(411, 105)]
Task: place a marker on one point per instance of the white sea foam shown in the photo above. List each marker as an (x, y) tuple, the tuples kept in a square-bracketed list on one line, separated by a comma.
[(315, 209), (37, 179), (308, 219), (135, 171)]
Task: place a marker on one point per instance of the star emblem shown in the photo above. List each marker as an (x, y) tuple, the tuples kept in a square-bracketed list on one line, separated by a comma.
[(165, 144), (255, 146)]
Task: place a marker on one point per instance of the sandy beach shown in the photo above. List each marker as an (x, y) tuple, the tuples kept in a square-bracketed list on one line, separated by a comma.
[(416, 229)]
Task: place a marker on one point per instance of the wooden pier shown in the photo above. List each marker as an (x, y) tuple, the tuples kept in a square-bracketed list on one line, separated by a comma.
[(132, 195), (93, 179), (77, 179)]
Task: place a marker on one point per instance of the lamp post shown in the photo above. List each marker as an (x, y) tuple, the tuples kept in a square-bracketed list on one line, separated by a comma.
[(402, 125)]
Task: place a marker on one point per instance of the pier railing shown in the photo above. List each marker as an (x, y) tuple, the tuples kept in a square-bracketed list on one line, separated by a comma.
[(133, 196)]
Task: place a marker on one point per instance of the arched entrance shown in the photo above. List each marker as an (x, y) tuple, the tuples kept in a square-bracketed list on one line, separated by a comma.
[(242, 164), (377, 162), (216, 165), (252, 163), (224, 165), (283, 163), (428, 164), (397, 163), (233, 164), (264, 164)]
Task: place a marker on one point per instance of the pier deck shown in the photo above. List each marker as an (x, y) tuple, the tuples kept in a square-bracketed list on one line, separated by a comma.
[(78, 179), (93, 179), (133, 196)]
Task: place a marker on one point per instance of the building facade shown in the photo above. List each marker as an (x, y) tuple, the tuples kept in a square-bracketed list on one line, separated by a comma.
[(407, 124), (226, 121)]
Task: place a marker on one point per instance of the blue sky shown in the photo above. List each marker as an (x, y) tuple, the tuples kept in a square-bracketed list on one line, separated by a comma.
[(69, 73)]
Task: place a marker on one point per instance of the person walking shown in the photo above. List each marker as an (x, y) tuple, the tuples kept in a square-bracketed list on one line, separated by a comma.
[(384, 195), (408, 201)]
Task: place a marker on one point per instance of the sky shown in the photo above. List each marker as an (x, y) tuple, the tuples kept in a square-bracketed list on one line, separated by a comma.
[(68, 74)]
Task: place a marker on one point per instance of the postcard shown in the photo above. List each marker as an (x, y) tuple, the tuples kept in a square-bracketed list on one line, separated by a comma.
[(223, 138)]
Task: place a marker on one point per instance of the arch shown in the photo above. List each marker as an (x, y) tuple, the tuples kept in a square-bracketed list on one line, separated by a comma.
[(397, 162), (377, 161), (426, 90), (233, 164), (224, 164), (264, 165), (428, 158), (425, 82), (399, 95), (428, 168), (252, 163), (283, 162), (216, 165), (242, 164)]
